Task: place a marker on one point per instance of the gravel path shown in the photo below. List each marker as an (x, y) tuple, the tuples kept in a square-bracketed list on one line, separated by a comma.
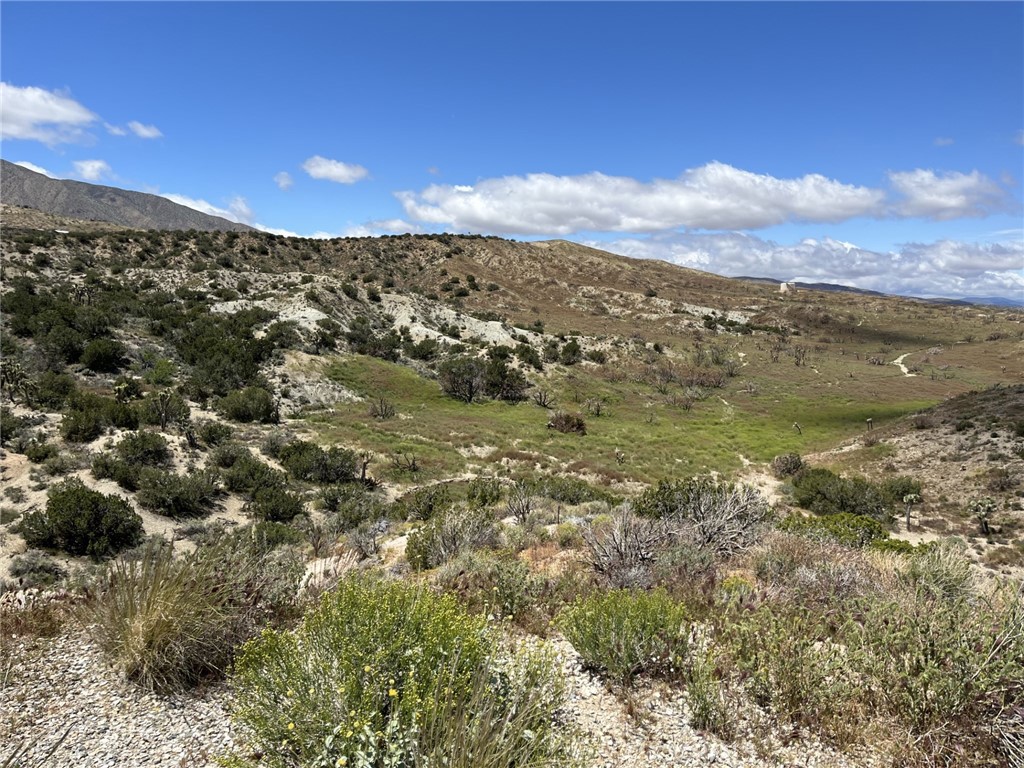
[(50, 686)]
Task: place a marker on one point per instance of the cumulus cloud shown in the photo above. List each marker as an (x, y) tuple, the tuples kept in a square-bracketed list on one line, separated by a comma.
[(382, 227), (93, 170), (115, 130), (238, 209), (275, 231), (334, 170), (943, 141), (144, 131), (40, 115), (946, 196), (36, 168), (943, 268), (284, 180), (713, 196)]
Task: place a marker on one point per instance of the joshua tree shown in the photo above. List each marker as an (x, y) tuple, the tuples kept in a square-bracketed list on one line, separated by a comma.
[(982, 510), (910, 500)]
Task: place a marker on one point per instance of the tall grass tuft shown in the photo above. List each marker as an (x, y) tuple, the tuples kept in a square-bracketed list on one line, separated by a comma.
[(168, 623)]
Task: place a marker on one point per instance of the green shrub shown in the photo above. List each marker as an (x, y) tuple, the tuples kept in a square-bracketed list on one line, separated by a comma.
[(570, 490), (483, 492), (38, 452), (179, 497), (35, 569), (309, 462), (893, 489), (81, 521), (498, 585), (624, 633), (144, 449), (348, 506), (169, 622), (448, 534), (462, 378), (54, 390), (423, 503), (246, 473), (275, 504), (213, 433), (850, 530), (107, 467), (268, 535), (82, 426), (826, 493), (103, 355), (163, 409), (384, 673), (249, 404)]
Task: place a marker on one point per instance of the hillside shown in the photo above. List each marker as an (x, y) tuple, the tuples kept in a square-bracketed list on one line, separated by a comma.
[(79, 200), (537, 433)]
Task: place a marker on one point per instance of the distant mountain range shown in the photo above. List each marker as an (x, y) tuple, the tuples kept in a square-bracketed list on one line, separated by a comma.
[(997, 301), (77, 199)]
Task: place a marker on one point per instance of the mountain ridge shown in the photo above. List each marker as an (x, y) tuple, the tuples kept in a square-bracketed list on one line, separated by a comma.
[(81, 200)]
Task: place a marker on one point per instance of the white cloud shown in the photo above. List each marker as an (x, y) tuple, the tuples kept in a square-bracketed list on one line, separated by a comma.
[(946, 196), (382, 227), (334, 170), (93, 170), (274, 231), (238, 209), (144, 131), (41, 115), (943, 268), (1019, 138), (943, 141), (713, 196), (284, 180), (36, 168), (115, 130)]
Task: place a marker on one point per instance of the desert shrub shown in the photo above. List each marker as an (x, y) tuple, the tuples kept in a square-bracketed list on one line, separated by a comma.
[(483, 492), (623, 548), (214, 433), (893, 489), (81, 521), (163, 408), (247, 474), (309, 462), (850, 530), (448, 534), (503, 382), (249, 404), (37, 452), (570, 490), (275, 504), (776, 654), (180, 497), (34, 569), (624, 633), (720, 517), (364, 340), (787, 465), (107, 467), (103, 355), (942, 572), (498, 585), (268, 535), (169, 622), (571, 353), (384, 673), (568, 423), (10, 425), (144, 448), (826, 493), (54, 390), (944, 668), (348, 506), (82, 426), (423, 503), (462, 378)]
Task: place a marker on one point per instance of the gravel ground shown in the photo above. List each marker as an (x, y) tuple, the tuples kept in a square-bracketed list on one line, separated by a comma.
[(52, 686)]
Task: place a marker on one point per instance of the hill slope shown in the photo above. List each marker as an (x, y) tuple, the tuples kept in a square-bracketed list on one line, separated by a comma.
[(20, 186)]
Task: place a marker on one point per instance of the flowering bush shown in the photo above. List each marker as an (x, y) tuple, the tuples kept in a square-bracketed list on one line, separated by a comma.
[(388, 674)]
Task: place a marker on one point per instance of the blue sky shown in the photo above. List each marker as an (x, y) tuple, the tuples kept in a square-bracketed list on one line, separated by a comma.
[(873, 144)]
